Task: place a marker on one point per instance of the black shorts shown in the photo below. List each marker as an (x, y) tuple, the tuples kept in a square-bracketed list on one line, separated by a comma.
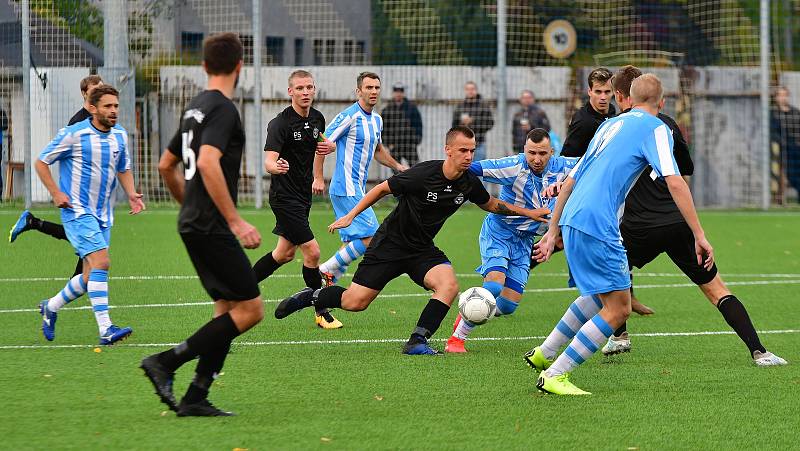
[(677, 240), (292, 224), (222, 266), (384, 261)]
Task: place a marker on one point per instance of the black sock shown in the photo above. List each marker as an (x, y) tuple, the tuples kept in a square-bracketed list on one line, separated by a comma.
[(51, 228), (330, 297), (621, 330), (534, 263), (312, 277), (208, 367), (265, 266), (215, 334), (736, 316), (78, 267), (429, 320)]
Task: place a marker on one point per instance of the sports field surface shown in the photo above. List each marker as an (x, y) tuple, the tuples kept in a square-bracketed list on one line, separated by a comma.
[(689, 383)]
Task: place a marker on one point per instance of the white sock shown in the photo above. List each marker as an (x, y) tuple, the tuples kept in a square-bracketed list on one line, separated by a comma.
[(587, 341), (463, 328), (98, 294), (74, 289), (349, 253), (581, 309)]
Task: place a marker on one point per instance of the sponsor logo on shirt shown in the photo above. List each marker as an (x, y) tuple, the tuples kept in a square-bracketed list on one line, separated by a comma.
[(432, 197), (459, 199)]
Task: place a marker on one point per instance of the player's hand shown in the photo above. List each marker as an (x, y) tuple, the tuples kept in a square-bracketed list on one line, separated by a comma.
[(705, 253), (318, 186), (281, 166), (552, 190), (539, 214), (544, 248), (61, 200), (340, 223), (401, 167), (325, 147), (136, 203), (246, 233)]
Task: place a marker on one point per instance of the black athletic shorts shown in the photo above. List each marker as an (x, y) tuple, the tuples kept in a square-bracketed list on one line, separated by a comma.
[(222, 266), (384, 261), (292, 224), (677, 240)]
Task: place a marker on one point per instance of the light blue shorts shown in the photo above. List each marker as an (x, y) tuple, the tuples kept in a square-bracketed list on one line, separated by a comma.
[(87, 235), (364, 225), (505, 248), (595, 266)]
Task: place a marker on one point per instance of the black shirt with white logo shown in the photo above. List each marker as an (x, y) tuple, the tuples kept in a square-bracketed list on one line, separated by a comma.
[(209, 119), (649, 203), (295, 139), (80, 116), (582, 127), (426, 199)]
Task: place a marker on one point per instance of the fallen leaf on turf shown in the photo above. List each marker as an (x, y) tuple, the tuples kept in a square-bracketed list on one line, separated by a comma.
[(325, 439), (379, 398), (633, 448), (48, 375), (164, 413), (240, 449), (393, 312), (98, 350)]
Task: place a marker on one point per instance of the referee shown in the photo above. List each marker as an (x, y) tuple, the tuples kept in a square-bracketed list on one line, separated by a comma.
[(652, 224), (428, 194), (294, 137)]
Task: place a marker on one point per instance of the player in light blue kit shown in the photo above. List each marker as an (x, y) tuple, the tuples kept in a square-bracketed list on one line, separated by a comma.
[(506, 241), (587, 215), (357, 133), (92, 154)]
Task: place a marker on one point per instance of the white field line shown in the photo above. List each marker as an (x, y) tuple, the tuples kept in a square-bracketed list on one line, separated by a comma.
[(384, 340), (407, 295), (298, 276)]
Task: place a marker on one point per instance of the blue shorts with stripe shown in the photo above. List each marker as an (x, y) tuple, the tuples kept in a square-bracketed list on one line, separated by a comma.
[(87, 235), (507, 248), (595, 266), (364, 225)]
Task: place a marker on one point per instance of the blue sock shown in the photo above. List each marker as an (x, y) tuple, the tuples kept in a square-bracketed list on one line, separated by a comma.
[(506, 306), (494, 287)]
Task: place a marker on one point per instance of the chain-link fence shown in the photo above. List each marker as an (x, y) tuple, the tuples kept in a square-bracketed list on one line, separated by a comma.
[(431, 56)]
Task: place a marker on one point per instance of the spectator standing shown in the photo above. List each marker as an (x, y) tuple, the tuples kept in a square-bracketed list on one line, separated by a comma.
[(475, 114), (402, 127), (529, 116)]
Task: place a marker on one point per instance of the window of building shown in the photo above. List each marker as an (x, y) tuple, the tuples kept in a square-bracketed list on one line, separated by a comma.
[(330, 51), (247, 45), (299, 45), (274, 47), (318, 52), (192, 43)]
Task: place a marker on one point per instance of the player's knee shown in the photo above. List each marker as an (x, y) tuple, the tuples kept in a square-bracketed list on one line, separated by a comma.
[(283, 257), (99, 262), (447, 290), (354, 304), (311, 255)]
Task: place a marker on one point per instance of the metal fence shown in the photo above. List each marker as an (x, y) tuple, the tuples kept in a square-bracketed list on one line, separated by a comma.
[(726, 64)]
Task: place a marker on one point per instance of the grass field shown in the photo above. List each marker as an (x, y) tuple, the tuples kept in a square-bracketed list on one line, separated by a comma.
[(688, 384)]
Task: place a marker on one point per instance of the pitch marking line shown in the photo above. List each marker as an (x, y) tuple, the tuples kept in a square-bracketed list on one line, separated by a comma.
[(384, 340), (407, 295)]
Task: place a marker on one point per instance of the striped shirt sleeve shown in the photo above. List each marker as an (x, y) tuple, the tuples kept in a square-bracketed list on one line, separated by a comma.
[(59, 148), (124, 162), (500, 171), (657, 150), (339, 126)]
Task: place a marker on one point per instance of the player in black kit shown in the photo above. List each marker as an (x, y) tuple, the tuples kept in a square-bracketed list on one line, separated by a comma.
[(652, 224), (210, 142), (428, 194), (294, 137)]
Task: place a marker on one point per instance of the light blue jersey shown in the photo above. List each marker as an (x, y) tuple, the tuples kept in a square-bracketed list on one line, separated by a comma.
[(522, 187), (357, 134), (90, 160), (620, 150)]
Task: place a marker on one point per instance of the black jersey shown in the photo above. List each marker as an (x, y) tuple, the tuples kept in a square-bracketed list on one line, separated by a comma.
[(209, 119), (426, 199), (295, 138), (582, 127), (80, 116), (649, 203)]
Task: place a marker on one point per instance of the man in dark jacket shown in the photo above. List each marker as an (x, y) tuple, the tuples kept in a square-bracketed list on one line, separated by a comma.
[(586, 120), (402, 126), (475, 114), (529, 116)]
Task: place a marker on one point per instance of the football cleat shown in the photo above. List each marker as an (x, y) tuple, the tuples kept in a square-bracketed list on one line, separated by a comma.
[(328, 279), (455, 345), (20, 226), (767, 359), (114, 334), (558, 385), (202, 408), (420, 348), (161, 378), (293, 303), (48, 321), (535, 359), (617, 345), (325, 320)]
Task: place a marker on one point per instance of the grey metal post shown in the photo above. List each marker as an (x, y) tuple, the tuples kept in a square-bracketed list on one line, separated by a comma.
[(502, 83), (26, 97), (257, 102), (765, 77)]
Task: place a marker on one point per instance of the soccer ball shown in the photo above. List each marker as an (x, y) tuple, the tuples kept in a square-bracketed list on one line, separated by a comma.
[(476, 305)]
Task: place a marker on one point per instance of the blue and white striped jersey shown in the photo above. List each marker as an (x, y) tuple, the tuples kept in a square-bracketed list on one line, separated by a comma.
[(620, 150), (357, 134), (522, 187), (89, 162)]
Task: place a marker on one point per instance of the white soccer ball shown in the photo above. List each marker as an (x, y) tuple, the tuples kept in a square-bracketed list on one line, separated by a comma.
[(477, 305)]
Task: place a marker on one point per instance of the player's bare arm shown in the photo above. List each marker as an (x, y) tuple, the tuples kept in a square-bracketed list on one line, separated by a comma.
[(274, 164), (318, 185), (683, 199), (504, 208), (171, 174), (545, 246), (134, 198), (385, 158), (369, 199), (60, 199), (214, 182)]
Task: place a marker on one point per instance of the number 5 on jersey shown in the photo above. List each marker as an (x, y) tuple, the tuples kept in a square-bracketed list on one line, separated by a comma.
[(189, 157)]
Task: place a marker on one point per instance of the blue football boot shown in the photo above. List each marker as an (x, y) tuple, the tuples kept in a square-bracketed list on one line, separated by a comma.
[(114, 334), (48, 321)]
